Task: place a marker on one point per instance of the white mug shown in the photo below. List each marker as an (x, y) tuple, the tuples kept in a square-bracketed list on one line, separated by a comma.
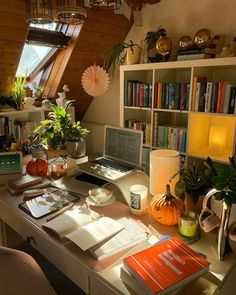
[(138, 199)]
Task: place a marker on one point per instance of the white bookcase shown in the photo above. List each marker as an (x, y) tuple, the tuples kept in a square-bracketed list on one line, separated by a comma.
[(199, 126)]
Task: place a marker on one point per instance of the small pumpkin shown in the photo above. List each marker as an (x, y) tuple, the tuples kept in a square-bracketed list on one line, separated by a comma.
[(166, 209)]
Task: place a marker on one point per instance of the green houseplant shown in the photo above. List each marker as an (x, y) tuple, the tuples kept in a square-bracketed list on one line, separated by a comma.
[(161, 42), (18, 90), (118, 54), (58, 128), (224, 190), (193, 184), (75, 140)]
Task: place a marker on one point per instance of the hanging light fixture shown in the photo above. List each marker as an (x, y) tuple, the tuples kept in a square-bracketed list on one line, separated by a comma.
[(106, 5), (38, 11), (71, 11)]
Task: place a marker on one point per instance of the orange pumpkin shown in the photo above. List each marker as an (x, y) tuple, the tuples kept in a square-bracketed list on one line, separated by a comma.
[(166, 209)]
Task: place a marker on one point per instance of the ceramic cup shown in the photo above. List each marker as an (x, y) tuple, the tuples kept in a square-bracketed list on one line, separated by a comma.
[(100, 195)]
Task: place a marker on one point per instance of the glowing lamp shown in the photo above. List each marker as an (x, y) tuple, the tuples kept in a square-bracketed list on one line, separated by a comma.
[(163, 165), (217, 140)]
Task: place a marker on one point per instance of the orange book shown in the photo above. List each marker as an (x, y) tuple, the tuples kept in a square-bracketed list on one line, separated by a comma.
[(166, 266)]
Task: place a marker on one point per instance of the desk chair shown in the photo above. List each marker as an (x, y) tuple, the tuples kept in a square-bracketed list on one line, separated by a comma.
[(21, 275)]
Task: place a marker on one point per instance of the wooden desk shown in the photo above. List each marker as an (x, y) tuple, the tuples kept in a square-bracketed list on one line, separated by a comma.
[(70, 260)]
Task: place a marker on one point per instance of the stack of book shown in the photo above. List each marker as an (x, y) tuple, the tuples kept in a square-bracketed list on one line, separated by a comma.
[(198, 53), (163, 268), (211, 51)]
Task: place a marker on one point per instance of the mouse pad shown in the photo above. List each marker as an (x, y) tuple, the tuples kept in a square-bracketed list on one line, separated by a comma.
[(48, 203)]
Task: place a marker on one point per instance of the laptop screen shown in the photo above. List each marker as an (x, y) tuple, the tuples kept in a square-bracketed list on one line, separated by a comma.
[(123, 145)]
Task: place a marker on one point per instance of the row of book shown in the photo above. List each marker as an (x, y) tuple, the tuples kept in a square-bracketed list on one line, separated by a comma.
[(137, 94), (163, 268), (19, 129), (145, 127), (168, 137), (172, 96), (214, 97)]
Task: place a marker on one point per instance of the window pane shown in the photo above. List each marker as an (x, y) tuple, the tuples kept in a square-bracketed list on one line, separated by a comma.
[(31, 56), (51, 26)]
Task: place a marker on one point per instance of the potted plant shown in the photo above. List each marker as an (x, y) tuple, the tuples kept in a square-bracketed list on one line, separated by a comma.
[(193, 185), (120, 53), (75, 140), (158, 39), (52, 131), (224, 190), (18, 90)]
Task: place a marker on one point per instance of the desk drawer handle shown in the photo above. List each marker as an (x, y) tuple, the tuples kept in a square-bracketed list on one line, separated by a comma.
[(29, 239)]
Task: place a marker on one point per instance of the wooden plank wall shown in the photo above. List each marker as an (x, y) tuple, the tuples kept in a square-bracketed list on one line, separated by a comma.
[(13, 30), (100, 31)]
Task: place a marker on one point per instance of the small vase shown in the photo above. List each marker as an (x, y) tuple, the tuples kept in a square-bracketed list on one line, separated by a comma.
[(38, 165)]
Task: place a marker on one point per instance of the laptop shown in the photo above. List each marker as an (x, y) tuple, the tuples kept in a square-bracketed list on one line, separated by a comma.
[(122, 154)]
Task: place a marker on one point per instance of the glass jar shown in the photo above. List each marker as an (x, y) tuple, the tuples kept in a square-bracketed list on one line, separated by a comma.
[(38, 165)]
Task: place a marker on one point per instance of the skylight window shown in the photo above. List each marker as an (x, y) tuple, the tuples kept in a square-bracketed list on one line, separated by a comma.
[(31, 56)]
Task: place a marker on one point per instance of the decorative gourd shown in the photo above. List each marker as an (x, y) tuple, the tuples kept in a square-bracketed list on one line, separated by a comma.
[(166, 209)]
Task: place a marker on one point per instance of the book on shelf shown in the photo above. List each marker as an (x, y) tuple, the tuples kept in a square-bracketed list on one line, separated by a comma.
[(201, 97), (208, 97), (83, 227), (220, 97), (194, 56), (166, 266), (214, 97), (195, 92), (130, 236), (231, 109)]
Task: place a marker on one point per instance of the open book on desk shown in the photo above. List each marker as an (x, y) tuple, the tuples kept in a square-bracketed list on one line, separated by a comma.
[(83, 227), (130, 236)]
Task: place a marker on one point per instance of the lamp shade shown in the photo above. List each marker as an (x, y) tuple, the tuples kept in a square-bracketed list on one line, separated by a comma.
[(38, 11), (163, 165)]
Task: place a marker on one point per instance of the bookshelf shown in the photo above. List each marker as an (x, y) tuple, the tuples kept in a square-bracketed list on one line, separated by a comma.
[(170, 110), (21, 124)]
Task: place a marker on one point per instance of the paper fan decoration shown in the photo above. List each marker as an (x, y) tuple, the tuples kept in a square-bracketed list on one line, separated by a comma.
[(95, 80)]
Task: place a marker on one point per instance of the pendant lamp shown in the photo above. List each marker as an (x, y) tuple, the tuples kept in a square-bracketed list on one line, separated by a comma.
[(71, 11), (105, 5), (38, 11)]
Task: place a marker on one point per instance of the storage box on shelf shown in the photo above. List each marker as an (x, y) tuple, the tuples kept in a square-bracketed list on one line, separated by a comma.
[(190, 106)]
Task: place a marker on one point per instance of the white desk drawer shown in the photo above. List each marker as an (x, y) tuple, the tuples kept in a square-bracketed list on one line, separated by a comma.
[(50, 249), (97, 287)]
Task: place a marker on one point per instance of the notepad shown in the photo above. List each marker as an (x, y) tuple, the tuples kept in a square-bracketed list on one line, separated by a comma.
[(83, 227)]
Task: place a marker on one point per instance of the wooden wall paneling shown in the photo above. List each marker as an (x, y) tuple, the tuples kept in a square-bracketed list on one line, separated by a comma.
[(13, 30)]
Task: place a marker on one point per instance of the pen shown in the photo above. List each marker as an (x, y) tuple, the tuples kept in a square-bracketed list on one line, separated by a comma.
[(60, 211)]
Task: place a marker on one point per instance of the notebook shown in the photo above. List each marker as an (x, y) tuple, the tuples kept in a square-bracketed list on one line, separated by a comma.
[(122, 154)]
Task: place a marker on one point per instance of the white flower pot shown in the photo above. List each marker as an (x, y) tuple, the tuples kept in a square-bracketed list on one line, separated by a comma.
[(76, 149)]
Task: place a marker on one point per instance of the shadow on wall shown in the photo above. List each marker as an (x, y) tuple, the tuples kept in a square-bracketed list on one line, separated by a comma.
[(95, 139)]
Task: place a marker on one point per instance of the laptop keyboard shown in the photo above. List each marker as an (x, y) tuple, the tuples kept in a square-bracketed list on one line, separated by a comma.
[(113, 165)]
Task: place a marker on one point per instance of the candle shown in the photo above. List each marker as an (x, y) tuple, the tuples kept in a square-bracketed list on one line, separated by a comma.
[(138, 199), (188, 225)]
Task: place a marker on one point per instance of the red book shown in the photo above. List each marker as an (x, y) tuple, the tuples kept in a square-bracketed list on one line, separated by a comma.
[(166, 266), (220, 98)]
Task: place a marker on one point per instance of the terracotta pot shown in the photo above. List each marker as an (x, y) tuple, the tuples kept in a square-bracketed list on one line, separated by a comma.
[(190, 205), (133, 56)]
